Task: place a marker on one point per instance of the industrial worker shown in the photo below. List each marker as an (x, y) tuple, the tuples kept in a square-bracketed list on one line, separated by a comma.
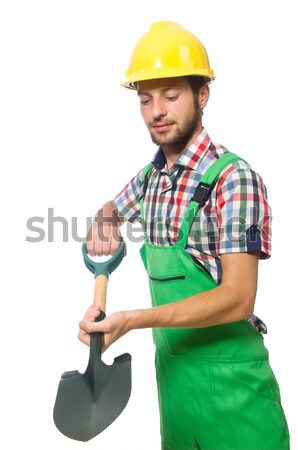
[(204, 234)]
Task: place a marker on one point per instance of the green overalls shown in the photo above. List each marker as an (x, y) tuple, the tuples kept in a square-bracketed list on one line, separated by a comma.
[(216, 388)]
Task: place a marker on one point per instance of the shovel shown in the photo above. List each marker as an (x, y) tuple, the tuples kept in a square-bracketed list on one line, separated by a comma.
[(86, 404)]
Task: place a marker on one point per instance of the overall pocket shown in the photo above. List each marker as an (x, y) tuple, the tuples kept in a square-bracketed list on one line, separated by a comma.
[(257, 377), (167, 278), (249, 411)]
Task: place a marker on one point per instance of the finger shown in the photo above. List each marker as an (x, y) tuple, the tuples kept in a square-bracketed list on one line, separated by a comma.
[(93, 327), (98, 245), (90, 244), (92, 312), (84, 337), (106, 240), (115, 241), (94, 239), (114, 246)]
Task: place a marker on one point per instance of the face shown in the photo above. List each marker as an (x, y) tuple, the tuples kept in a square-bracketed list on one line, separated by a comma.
[(171, 111)]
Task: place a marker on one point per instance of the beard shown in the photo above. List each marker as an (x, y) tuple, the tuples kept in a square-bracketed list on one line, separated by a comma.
[(183, 134)]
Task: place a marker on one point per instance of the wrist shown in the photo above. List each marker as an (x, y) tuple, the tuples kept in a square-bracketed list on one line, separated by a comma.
[(133, 320)]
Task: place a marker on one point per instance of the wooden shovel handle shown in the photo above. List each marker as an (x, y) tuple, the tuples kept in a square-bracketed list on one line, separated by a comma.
[(100, 292)]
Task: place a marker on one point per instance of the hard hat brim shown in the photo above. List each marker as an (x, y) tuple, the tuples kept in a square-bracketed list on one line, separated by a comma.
[(131, 81)]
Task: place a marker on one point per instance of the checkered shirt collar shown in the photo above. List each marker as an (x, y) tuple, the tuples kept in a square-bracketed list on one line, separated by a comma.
[(190, 158)]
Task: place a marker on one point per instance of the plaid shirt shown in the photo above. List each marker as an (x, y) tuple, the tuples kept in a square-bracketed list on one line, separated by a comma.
[(236, 217)]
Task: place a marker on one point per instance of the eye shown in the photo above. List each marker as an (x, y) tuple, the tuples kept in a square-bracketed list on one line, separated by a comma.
[(145, 101), (172, 98)]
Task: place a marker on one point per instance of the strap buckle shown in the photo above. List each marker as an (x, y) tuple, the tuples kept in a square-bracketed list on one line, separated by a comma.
[(202, 193)]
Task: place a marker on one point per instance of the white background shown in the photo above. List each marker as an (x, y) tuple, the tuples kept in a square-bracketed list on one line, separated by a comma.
[(71, 137)]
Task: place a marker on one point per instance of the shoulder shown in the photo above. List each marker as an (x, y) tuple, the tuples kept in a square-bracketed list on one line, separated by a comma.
[(238, 175), (145, 172), (240, 171)]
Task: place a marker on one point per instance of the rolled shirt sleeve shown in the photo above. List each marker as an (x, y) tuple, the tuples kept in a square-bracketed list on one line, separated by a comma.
[(243, 214)]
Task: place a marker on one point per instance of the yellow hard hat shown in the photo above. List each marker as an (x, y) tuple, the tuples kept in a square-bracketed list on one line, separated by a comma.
[(167, 50)]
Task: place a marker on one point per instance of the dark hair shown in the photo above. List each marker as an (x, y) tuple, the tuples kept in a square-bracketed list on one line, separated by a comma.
[(196, 83)]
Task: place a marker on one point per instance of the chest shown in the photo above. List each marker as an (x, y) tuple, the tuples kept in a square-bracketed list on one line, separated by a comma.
[(166, 199)]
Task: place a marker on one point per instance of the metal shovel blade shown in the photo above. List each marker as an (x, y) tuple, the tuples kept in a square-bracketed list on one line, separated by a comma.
[(86, 404)]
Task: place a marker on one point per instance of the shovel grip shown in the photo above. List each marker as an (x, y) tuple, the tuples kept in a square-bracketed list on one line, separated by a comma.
[(100, 292)]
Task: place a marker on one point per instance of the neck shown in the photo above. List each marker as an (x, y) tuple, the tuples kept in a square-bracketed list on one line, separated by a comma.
[(173, 152)]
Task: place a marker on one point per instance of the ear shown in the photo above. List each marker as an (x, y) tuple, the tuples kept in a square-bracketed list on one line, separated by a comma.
[(203, 96)]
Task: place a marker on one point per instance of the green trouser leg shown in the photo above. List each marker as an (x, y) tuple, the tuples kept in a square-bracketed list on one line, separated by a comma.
[(215, 385)]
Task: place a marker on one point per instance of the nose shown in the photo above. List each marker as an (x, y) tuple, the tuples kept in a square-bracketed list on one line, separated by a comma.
[(158, 108)]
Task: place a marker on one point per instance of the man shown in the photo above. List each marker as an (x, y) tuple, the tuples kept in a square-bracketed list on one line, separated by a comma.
[(204, 235)]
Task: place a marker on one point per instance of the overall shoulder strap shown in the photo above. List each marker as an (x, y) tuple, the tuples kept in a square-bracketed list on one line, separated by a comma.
[(202, 193), (146, 171), (144, 181)]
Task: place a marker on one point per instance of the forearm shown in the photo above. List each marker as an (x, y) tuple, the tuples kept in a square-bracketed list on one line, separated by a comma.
[(217, 306)]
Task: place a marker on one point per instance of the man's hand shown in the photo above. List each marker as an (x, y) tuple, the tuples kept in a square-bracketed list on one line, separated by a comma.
[(104, 236), (113, 326)]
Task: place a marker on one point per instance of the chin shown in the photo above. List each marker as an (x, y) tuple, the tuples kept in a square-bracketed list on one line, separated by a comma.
[(162, 139)]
